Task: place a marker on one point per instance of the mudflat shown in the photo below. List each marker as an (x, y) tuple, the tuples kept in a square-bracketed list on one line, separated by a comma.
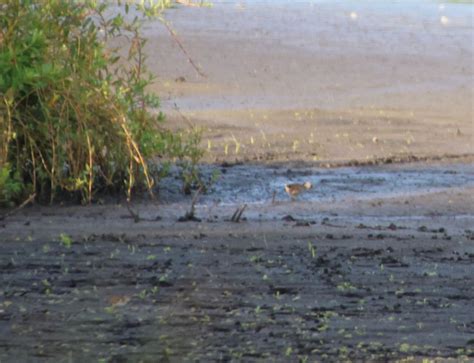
[(370, 103), (320, 81), (377, 279)]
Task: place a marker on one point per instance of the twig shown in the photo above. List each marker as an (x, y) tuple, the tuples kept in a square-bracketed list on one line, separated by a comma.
[(241, 212), (133, 147), (190, 216), (238, 213), (135, 215), (235, 214), (21, 206), (180, 45), (188, 121)]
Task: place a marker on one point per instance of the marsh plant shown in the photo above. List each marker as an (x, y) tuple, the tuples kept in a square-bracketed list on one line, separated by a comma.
[(76, 117)]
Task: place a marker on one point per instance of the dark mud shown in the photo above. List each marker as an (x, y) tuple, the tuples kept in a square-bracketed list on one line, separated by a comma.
[(332, 295), (375, 264)]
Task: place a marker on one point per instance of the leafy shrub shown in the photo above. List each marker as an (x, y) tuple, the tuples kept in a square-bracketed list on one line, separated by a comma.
[(11, 187), (74, 110)]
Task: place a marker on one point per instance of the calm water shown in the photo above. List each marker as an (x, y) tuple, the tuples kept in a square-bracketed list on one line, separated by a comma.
[(256, 184), (327, 54), (459, 12)]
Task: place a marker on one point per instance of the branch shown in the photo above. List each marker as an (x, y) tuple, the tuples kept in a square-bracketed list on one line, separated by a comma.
[(238, 213), (180, 45), (21, 206), (190, 216), (188, 121), (135, 216)]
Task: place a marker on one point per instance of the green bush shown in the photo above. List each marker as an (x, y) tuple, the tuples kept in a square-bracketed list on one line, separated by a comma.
[(74, 110), (11, 187)]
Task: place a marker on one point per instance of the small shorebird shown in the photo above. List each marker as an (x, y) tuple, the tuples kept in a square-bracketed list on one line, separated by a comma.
[(294, 189)]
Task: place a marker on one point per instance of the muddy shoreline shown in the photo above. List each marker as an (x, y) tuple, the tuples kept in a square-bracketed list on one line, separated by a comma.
[(361, 279), (390, 82), (372, 103)]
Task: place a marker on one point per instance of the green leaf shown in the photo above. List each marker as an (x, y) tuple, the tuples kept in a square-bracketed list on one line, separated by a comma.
[(66, 240)]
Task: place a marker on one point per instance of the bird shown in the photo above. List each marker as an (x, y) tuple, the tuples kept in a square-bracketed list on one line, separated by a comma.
[(293, 190)]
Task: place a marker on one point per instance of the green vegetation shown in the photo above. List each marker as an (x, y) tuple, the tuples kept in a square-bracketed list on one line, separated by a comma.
[(75, 114), (11, 187), (66, 240)]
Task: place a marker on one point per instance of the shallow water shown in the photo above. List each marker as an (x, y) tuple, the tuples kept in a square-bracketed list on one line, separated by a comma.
[(387, 56), (256, 184), (324, 54)]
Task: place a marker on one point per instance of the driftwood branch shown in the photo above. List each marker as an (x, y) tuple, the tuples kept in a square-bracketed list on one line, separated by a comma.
[(21, 206)]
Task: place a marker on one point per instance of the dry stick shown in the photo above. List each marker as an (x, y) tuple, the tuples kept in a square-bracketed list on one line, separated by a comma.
[(138, 157), (9, 133), (53, 171), (135, 215), (233, 215), (22, 205), (180, 45), (188, 121), (91, 175), (238, 213), (241, 212), (33, 161)]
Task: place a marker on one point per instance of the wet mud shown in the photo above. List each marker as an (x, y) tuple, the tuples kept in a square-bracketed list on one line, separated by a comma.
[(260, 184), (364, 276), (350, 294), (371, 103)]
